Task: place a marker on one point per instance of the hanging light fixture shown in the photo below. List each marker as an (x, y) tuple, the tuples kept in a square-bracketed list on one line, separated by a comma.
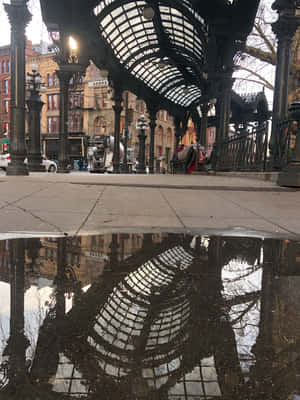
[(148, 13)]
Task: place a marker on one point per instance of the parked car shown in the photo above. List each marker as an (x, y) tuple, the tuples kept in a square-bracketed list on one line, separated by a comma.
[(50, 165)]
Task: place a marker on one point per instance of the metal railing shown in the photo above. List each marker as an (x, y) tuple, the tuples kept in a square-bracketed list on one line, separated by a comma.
[(245, 151)]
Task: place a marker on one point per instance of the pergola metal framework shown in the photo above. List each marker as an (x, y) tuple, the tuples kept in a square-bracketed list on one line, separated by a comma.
[(175, 59)]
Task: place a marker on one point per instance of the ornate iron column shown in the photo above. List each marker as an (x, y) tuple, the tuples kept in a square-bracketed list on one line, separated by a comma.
[(125, 168), (204, 120), (141, 125), (284, 28), (117, 109), (290, 175), (177, 122), (223, 107), (19, 16), (64, 77), (152, 110), (34, 105)]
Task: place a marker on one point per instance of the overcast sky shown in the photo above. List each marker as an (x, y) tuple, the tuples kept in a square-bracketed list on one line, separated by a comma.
[(35, 31)]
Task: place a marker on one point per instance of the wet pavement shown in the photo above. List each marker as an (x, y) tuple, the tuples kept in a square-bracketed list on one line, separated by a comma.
[(149, 316)]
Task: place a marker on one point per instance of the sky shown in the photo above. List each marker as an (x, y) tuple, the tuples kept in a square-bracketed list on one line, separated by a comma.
[(36, 30)]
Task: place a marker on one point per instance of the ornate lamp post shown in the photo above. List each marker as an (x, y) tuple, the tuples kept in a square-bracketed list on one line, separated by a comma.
[(70, 65), (19, 16), (141, 125), (125, 168), (35, 105)]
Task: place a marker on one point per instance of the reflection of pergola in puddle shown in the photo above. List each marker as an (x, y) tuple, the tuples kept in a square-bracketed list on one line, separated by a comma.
[(155, 335)]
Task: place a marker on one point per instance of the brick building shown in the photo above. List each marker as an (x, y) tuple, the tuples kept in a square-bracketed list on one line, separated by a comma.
[(91, 110), (5, 69)]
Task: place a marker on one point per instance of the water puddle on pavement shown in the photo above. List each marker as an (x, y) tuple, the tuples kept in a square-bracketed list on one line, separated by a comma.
[(149, 316)]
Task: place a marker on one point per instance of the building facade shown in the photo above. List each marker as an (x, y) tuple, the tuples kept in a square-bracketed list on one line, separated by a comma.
[(5, 69), (91, 111)]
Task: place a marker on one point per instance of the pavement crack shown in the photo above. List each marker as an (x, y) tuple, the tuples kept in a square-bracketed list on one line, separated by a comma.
[(257, 215), (172, 208), (13, 203), (10, 203), (91, 211)]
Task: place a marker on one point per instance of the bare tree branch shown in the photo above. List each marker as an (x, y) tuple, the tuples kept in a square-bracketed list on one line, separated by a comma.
[(261, 55), (266, 40), (260, 77)]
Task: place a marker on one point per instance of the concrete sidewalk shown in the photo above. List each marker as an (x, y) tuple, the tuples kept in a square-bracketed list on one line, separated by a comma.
[(80, 203)]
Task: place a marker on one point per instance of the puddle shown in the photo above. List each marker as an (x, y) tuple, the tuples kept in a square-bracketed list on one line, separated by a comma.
[(149, 316)]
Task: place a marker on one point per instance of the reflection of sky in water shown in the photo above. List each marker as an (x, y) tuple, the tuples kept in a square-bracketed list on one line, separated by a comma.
[(35, 308), (240, 278)]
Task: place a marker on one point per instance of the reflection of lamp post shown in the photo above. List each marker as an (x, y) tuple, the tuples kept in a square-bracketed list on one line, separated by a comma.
[(141, 125), (35, 105), (19, 16)]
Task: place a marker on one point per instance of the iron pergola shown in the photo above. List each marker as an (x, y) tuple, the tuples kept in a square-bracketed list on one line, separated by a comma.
[(174, 53)]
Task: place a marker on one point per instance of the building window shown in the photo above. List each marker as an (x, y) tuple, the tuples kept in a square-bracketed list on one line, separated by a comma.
[(6, 106), (3, 66), (5, 84), (99, 126), (53, 101), (53, 124), (54, 80), (8, 66), (104, 100), (49, 80)]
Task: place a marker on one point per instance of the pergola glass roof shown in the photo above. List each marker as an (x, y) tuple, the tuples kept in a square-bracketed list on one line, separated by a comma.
[(167, 52)]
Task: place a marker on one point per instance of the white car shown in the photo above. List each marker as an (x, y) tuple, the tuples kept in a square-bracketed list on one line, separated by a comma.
[(50, 165)]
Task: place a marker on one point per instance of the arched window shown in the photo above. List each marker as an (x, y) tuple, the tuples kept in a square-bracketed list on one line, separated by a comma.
[(160, 132), (3, 66), (8, 66)]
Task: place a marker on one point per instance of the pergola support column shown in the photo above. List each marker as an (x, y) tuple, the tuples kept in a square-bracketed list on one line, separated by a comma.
[(204, 122), (19, 16), (177, 122), (117, 107), (224, 108), (152, 110), (284, 28)]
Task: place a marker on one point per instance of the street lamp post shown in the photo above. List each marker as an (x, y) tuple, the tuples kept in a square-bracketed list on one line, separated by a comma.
[(34, 105), (19, 16), (141, 125), (71, 65)]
